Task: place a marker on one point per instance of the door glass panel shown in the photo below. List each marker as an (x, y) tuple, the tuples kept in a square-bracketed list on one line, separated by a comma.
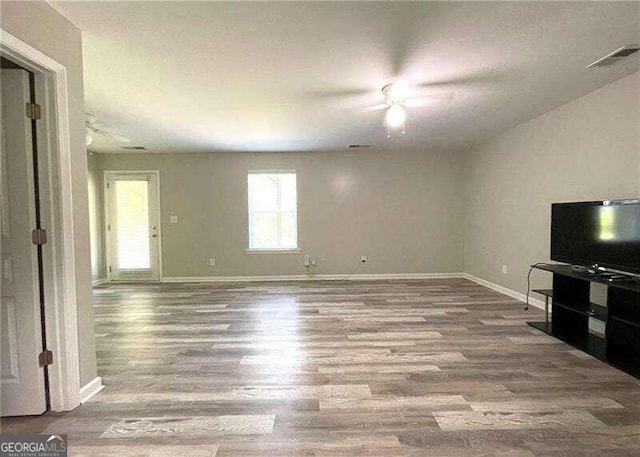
[(132, 215)]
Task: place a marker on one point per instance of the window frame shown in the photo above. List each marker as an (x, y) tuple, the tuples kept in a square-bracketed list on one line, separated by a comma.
[(276, 250)]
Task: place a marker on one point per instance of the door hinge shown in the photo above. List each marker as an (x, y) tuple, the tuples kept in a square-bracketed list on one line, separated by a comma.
[(109, 269), (34, 111), (39, 236), (45, 358)]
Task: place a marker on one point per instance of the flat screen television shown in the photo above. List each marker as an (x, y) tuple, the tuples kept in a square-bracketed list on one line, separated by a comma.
[(605, 234)]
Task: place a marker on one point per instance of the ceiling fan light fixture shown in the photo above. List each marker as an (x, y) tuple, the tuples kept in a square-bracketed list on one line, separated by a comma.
[(395, 116), (399, 91), (395, 92)]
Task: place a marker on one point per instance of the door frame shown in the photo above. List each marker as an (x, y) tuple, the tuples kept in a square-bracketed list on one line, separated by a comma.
[(56, 203), (106, 206)]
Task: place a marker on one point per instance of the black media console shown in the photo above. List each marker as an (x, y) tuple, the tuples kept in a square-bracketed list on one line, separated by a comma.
[(571, 310)]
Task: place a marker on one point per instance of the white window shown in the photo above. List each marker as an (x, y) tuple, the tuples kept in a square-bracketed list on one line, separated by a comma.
[(273, 214)]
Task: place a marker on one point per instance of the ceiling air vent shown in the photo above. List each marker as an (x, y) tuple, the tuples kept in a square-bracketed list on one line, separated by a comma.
[(133, 148), (615, 56)]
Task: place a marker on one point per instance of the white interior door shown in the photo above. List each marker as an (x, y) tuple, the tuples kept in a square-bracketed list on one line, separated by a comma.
[(22, 382), (132, 226)]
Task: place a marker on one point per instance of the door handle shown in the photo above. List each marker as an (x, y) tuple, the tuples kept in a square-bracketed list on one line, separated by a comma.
[(154, 235)]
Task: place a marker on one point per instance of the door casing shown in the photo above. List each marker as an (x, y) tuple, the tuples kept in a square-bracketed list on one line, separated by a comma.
[(55, 165), (106, 176)]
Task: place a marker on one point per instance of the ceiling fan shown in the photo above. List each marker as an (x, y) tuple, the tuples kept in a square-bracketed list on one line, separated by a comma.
[(94, 129), (402, 94), (397, 97)]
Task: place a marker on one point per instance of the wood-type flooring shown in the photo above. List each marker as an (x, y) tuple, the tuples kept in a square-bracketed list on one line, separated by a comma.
[(441, 367)]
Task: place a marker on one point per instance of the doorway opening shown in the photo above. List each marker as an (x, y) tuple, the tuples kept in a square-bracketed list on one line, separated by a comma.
[(132, 225)]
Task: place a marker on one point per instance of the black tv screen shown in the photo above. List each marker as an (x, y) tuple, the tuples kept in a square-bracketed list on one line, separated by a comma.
[(605, 233)]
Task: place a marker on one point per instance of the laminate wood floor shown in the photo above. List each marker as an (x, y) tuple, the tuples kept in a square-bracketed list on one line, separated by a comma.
[(421, 368)]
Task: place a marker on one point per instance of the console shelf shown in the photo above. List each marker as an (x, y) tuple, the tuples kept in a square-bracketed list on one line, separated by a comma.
[(544, 292), (595, 310), (582, 273), (571, 310)]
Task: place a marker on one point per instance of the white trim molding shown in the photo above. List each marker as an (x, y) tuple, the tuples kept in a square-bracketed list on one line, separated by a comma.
[(504, 291), (99, 282), (57, 206), (106, 174), (273, 251), (332, 277), (359, 277), (90, 389)]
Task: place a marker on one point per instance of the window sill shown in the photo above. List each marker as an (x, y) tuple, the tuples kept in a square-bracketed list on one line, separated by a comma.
[(272, 251)]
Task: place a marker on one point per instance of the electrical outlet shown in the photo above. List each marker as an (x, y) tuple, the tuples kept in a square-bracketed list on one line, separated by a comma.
[(313, 263), (364, 259), (307, 260), (505, 269), (212, 262)]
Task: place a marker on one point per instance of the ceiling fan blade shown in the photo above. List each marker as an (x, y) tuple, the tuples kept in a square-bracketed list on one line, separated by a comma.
[(110, 136), (429, 100), (368, 109), (328, 94), (119, 138), (473, 79), (403, 36)]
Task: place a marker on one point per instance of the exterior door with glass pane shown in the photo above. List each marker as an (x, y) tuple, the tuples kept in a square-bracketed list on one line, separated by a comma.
[(132, 225)]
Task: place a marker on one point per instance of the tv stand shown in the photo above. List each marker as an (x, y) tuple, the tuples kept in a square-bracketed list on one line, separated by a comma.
[(571, 310)]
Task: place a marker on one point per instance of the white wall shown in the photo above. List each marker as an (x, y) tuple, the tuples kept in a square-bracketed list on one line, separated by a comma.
[(588, 149), (409, 212), (401, 209), (40, 26)]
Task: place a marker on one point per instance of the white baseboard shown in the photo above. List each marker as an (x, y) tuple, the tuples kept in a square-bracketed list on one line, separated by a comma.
[(503, 290), (97, 282), (357, 277), (90, 389), (333, 277)]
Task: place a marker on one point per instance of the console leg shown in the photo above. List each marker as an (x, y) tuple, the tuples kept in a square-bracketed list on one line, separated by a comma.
[(546, 310)]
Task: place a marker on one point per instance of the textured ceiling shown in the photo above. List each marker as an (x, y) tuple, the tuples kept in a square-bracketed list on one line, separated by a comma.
[(208, 76)]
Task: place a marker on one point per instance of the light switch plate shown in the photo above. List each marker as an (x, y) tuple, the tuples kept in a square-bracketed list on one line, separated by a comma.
[(173, 219)]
